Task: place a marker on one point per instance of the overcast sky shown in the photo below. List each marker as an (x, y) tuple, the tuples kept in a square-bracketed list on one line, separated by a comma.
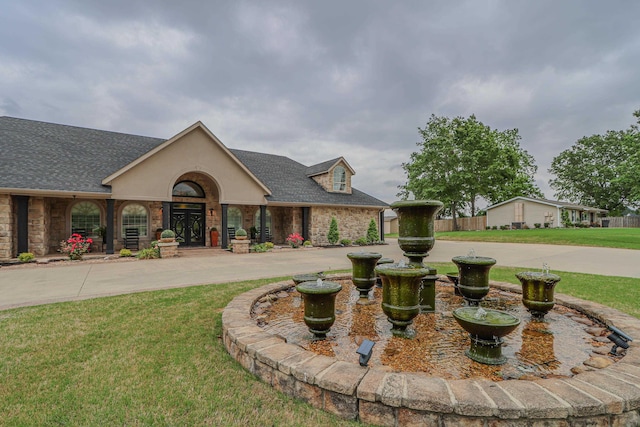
[(314, 80)]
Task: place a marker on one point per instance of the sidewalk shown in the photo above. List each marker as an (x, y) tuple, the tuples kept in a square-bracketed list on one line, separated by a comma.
[(73, 281)]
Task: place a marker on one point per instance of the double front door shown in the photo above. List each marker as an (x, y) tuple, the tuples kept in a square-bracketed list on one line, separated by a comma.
[(188, 222)]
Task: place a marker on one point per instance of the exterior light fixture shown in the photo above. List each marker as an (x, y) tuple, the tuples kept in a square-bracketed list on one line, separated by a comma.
[(619, 339), (365, 350)]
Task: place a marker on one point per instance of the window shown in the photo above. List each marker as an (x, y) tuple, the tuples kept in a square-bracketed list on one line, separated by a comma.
[(339, 179), (134, 216), (267, 220), (188, 189), (234, 218), (85, 216)]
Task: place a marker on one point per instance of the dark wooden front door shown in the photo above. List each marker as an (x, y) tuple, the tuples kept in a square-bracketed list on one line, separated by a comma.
[(188, 222)]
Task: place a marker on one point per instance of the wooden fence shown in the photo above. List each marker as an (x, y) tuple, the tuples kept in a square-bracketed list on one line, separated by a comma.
[(623, 221), (464, 224)]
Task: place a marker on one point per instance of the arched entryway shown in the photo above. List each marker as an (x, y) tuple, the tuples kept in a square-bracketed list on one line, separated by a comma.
[(195, 201)]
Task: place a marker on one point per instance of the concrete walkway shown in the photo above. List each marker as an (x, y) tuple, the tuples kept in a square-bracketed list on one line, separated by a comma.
[(34, 285)]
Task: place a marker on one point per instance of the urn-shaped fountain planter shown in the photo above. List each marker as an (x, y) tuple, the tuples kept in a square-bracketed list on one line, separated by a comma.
[(382, 261), (364, 275), (428, 291), (307, 277), (401, 295), (537, 291), (319, 305), (416, 235), (486, 328), (473, 277)]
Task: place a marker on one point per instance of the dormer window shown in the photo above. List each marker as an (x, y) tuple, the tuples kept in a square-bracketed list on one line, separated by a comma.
[(339, 179)]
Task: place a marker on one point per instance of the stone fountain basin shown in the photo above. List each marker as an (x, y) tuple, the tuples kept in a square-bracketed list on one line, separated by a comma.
[(495, 324), (604, 397)]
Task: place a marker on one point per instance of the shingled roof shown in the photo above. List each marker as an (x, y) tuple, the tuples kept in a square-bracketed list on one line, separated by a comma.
[(51, 157)]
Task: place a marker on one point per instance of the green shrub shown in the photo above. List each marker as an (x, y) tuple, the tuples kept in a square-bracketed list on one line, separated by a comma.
[(372, 232), (241, 232), (269, 245), (564, 218), (362, 241), (547, 224), (537, 225), (333, 235), (345, 242), (26, 257), (125, 253), (487, 228), (168, 234), (148, 253), (307, 244), (495, 227), (260, 247)]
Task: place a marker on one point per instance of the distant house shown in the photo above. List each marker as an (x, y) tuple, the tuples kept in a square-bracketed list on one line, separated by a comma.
[(521, 211), (390, 222), (57, 179)]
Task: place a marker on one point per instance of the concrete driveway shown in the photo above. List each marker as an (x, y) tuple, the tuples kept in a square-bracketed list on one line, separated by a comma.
[(33, 285)]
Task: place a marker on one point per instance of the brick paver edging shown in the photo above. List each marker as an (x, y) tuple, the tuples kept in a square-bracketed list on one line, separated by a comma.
[(606, 397)]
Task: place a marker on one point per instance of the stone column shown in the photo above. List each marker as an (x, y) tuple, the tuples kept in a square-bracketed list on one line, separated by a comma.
[(6, 226)]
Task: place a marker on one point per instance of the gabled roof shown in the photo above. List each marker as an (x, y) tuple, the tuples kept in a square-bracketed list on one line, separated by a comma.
[(48, 157), (325, 167), (553, 203)]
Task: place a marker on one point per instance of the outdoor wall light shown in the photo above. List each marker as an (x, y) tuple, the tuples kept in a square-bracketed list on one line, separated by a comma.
[(619, 339), (365, 350)]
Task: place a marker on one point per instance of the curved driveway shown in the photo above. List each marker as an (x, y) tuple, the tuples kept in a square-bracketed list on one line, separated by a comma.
[(41, 285)]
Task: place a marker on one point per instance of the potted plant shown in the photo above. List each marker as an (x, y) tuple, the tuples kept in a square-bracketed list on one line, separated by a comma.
[(158, 233), (167, 236), (241, 234), (215, 235), (102, 232)]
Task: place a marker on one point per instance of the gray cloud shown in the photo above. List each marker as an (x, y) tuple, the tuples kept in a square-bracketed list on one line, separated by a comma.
[(315, 80)]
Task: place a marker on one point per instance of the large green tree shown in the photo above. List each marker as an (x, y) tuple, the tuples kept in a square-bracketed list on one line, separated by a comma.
[(601, 170), (461, 160)]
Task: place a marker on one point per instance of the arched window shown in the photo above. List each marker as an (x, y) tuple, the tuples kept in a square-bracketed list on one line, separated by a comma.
[(188, 189), (234, 218), (85, 218), (339, 179), (134, 216)]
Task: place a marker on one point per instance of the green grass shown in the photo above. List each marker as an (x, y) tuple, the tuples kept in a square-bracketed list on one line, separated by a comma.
[(624, 238), (156, 358)]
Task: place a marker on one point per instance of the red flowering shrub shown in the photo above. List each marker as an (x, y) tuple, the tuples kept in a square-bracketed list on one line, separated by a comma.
[(295, 240), (76, 246)]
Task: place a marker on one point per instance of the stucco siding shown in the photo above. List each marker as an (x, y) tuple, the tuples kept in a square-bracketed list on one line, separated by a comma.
[(533, 213)]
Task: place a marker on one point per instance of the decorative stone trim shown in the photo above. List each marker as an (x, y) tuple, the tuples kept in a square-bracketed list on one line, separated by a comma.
[(168, 250), (607, 397)]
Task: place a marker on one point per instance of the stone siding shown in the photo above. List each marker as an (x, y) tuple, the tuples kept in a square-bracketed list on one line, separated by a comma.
[(353, 222), (6, 226)]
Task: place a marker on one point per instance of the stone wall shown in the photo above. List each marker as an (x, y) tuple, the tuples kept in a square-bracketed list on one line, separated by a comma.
[(38, 226), (325, 180), (353, 222), (6, 227)]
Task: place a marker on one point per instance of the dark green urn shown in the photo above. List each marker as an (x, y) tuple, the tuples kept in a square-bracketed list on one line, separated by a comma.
[(363, 268), (319, 305), (307, 277), (473, 277), (382, 261), (401, 295), (486, 328), (537, 291), (416, 235)]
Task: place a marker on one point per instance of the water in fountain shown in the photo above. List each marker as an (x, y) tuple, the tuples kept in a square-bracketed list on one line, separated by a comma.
[(471, 253), (402, 264), (545, 268), (481, 314)]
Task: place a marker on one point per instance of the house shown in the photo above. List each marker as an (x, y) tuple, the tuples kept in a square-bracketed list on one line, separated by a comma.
[(57, 179), (526, 211), (391, 225)]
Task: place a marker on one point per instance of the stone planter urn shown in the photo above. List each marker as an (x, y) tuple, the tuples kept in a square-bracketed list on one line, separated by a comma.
[(453, 278), (307, 277), (319, 305), (473, 277), (428, 291), (486, 328), (401, 295), (537, 291), (382, 261), (364, 276), (416, 235)]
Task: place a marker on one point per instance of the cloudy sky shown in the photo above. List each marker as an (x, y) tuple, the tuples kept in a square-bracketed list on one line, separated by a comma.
[(314, 80)]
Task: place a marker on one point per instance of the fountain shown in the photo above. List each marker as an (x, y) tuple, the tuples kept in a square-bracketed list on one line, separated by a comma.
[(416, 236), (486, 328), (364, 276), (400, 295), (319, 305), (453, 278), (537, 290), (473, 276), (428, 291), (307, 277), (380, 262)]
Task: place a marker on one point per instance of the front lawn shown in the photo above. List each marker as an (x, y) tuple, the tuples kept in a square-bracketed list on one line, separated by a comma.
[(624, 238)]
